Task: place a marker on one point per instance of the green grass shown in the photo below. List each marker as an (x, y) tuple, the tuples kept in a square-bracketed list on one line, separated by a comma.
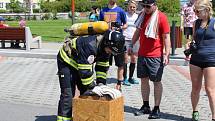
[(50, 30), (53, 30)]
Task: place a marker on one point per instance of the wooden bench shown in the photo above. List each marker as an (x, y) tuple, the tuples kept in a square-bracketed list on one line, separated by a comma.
[(23, 35)]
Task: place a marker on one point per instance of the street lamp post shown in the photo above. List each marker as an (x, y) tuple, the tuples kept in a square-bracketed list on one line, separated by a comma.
[(31, 7), (73, 10)]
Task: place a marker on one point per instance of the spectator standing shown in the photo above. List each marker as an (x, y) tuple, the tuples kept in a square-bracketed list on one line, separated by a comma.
[(202, 61), (153, 29), (128, 33), (112, 14), (94, 14), (187, 19)]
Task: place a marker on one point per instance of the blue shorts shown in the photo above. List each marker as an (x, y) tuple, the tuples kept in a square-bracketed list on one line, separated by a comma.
[(150, 67)]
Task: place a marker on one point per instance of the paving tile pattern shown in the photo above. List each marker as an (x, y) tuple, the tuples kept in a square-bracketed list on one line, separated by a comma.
[(29, 80), (33, 81)]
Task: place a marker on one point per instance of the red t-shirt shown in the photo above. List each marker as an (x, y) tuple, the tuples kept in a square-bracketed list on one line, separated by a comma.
[(150, 47), (3, 25)]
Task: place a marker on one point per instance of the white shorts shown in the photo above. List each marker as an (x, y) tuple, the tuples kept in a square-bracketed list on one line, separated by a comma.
[(135, 46)]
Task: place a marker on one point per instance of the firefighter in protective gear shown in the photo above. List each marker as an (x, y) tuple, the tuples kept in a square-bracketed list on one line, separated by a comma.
[(75, 65)]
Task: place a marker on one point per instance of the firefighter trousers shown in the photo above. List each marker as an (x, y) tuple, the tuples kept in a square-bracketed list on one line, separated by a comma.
[(68, 78)]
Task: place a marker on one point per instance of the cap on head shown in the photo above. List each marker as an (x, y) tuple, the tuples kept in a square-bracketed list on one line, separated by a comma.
[(148, 1), (2, 19)]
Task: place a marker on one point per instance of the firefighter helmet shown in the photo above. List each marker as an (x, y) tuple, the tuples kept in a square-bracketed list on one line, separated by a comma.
[(115, 41)]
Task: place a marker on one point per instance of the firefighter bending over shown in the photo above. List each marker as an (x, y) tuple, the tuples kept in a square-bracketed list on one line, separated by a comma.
[(75, 65)]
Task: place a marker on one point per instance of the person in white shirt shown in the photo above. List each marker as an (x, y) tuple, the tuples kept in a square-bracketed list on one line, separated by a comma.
[(128, 33)]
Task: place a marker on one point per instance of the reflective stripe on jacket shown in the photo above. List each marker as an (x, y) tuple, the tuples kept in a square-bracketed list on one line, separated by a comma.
[(86, 53)]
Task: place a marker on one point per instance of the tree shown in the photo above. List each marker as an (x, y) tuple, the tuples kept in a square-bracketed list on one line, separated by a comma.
[(213, 3), (15, 6), (56, 6), (171, 7)]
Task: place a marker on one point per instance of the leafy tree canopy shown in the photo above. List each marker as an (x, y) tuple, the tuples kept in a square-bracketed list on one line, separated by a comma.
[(168, 6)]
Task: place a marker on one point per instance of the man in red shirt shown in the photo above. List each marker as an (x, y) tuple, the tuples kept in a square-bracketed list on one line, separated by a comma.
[(153, 30)]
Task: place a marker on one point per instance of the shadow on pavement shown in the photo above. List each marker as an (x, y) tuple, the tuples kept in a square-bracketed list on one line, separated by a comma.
[(129, 109), (167, 116), (173, 117), (46, 118)]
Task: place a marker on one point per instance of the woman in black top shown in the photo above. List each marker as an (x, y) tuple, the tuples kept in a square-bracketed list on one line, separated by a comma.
[(202, 62)]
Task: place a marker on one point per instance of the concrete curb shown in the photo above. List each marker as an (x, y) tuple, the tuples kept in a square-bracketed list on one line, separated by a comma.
[(52, 54), (44, 54), (50, 50)]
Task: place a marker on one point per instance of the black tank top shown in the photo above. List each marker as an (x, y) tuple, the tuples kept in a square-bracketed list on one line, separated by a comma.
[(206, 43)]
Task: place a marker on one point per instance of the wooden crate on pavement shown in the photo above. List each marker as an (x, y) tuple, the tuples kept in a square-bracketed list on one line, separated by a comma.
[(91, 108)]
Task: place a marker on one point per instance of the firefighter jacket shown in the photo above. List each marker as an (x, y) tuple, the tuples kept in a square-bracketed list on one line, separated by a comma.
[(82, 54)]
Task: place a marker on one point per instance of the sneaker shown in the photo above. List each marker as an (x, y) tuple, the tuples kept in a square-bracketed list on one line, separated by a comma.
[(195, 116), (133, 81), (155, 114), (126, 82), (143, 110)]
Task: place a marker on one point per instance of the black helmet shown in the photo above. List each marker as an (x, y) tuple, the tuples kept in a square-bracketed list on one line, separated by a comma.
[(115, 41)]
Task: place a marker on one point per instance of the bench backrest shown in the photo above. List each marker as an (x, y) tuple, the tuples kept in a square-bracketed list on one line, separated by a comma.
[(12, 33)]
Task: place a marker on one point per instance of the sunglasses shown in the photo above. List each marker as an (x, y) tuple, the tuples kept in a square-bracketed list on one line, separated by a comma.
[(132, 7), (198, 11), (147, 5)]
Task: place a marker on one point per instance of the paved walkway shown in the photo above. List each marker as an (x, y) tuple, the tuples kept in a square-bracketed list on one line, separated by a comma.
[(29, 89)]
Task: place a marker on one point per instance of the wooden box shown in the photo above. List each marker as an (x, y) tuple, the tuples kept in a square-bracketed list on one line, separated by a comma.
[(91, 108)]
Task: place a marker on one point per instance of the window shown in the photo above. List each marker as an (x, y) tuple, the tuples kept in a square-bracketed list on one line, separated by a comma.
[(1, 5)]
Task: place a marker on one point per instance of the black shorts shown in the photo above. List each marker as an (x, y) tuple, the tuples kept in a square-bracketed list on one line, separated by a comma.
[(119, 59), (202, 64), (150, 67), (188, 31)]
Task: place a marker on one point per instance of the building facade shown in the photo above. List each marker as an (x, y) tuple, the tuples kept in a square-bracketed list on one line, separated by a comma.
[(35, 4)]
